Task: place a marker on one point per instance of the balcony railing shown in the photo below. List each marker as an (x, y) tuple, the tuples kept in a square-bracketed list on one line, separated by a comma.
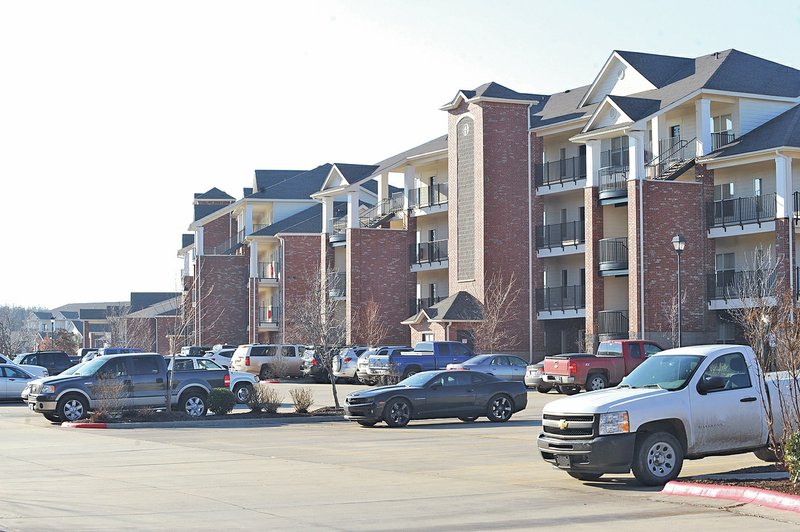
[(227, 247), (612, 182), (729, 284), (269, 315), (796, 210), (560, 298), (613, 254), (338, 228), (382, 210), (722, 138), (560, 235), (422, 197), (424, 302), (268, 270), (337, 285), (740, 211), (673, 154), (561, 171), (612, 324), (428, 252)]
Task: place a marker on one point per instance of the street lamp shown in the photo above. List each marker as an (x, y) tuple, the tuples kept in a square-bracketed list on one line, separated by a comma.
[(52, 324), (678, 243)]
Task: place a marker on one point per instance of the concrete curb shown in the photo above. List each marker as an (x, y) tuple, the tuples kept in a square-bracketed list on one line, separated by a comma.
[(770, 499), (217, 423)]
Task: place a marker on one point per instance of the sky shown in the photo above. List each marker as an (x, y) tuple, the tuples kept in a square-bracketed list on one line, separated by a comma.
[(113, 114)]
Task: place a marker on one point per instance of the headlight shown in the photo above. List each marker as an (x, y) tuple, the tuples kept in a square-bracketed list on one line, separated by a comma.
[(48, 388), (614, 423)]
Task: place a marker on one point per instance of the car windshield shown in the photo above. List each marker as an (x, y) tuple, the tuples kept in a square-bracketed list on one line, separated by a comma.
[(670, 372), (74, 369), (418, 379), (18, 359), (91, 367)]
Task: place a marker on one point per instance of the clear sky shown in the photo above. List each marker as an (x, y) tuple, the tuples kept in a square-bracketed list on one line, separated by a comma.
[(112, 114)]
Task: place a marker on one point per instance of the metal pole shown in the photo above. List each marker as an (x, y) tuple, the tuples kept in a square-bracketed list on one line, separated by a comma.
[(680, 320)]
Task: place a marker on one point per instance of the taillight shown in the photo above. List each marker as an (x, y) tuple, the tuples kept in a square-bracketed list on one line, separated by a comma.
[(227, 380), (313, 361), (247, 360), (573, 368), (347, 360)]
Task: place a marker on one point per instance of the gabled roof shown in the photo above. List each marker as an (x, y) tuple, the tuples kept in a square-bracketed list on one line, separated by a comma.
[(163, 307), (658, 69), (561, 107), (353, 173), (140, 300), (187, 239), (267, 178), (77, 307), (213, 194), (93, 314), (305, 221), (491, 91), (462, 306), (201, 210), (372, 186), (741, 72), (43, 315), (298, 185), (636, 108), (69, 314), (781, 131)]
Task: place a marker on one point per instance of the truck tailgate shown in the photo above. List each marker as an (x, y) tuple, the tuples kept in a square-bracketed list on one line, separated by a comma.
[(559, 364)]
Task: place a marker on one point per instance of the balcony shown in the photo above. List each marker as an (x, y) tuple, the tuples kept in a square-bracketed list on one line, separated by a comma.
[(741, 211), (613, 254), (796, 210), (429, 255), (612, 184), (425, 197), (560, 172), (268, 272), (720, 139), (560, 236), (338, 228), (561, 300), (612, 324), (269, 316), (337, 285), (381, 211), (732, 287)]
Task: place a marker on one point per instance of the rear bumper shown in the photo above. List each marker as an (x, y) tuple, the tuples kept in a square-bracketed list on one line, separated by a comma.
[(603, 454), (558, 379)]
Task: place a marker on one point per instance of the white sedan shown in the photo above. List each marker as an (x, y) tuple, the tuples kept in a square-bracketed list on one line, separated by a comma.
[(36, 371)]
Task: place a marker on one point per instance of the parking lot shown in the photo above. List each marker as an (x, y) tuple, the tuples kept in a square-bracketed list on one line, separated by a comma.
[(329, 475)]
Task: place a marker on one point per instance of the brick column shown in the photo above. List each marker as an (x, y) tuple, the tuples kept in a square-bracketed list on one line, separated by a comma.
[(537, 267), (784, 230), (635, 329), (594, 283)]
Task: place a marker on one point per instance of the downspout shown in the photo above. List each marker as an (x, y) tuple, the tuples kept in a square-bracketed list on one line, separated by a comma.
[(530, 243), (790, 236), (641, 257), (447, 331), (281, 272)]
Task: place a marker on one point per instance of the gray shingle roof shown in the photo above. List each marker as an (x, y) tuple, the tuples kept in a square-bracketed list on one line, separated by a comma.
[(741, 72), (267, 178), (77, 307), (213, 194), (93, 314), (437, 144), (461, 306), (187, 239), (783, 130), (140, 300), (353, 173), (298, 185), (306, 221), (658, 69), (372, 186), (202, 210), (636, 108), (561, 107), (495, 90), (46, 315)]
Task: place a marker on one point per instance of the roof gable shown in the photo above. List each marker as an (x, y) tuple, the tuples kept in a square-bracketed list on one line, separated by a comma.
[(617, 77), (492, 91), (213, 194), (741, 72), (292, 186)]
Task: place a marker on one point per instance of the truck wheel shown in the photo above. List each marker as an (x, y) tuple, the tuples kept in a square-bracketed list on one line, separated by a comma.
[(355, 379), (397, 413), (584, 476), (72, 408), (193, 403), (243, 393), (657, 459), (468, 419), (766, 454), (596, 381), (500, 409), (266, 373), (543, 389), (413, 370), (569, 390), (52, 417)]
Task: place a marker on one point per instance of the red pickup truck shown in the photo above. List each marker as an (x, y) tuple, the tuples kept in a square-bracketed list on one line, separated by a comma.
[(570, 373)]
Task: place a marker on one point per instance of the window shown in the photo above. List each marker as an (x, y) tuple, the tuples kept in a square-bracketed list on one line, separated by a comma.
[(432, 291), (757, 186), (651, 349), (144, 366), (516, 361), (562, 158), (14, 373), (113, 369), (207, 364), (675, 133), (183, 365), (732, 368), (454, 378), (478, 378), (619, 152), (288, 351), (634, 351), (427, 337), (461, 349), (444, 350), (725, 268), (723, 192), (500, 361), (722, 124)]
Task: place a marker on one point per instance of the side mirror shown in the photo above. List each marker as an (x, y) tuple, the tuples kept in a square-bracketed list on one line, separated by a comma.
[(710, 384)]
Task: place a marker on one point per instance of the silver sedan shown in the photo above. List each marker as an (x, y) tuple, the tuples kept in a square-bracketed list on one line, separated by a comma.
[(13, 380), (506, 367)]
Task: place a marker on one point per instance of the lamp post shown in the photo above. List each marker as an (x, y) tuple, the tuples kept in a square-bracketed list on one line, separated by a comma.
[(678, 243)]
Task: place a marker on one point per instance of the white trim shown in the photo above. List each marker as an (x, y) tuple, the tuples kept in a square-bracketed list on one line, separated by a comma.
[(593, 86), (600, 133), (601, 107), (757, 156), (560, 127), (545, 315), (477, 99)]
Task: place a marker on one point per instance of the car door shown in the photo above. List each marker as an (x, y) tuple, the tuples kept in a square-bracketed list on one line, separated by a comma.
[(147, 380), (731, 417), (451, 394), (293, 361), (16, 380), (517, 368), (500, 368), (111, 386), (3, 383)]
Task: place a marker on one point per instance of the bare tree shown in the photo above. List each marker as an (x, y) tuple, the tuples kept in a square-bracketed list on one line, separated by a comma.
[(495, 332), (317, 322), (14, 336), (371, 326), (670, 310)]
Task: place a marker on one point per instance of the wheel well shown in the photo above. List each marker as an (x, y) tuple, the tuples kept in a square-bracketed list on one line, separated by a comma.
[(79, 393), (410, 367), (602, 372), (195, 389), (673, 426), (406, 399)]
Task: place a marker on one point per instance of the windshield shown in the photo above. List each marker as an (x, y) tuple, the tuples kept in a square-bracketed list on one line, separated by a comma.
[(418, 379), (91, 367), (73, 369), (18, 359), (670, 372)]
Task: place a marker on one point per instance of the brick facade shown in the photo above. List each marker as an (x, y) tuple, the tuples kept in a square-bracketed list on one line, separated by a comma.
[(217, 232), (595, 293), (222, 288), (301, 262)]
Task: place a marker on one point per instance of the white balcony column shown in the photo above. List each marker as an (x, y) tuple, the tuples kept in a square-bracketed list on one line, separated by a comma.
[(253, 259), (327, 214), (198, 238), (352, 210), (783, 187), (592, 162), (248, 219), (703, 119), (658, 125), (383, 189), (636, 155), (409, 175)]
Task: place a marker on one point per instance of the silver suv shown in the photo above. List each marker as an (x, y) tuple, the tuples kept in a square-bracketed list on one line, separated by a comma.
[(269, 360), (345, 363)]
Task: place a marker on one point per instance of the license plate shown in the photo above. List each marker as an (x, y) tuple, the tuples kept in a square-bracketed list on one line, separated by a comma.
[(30, 405), (562, 461)]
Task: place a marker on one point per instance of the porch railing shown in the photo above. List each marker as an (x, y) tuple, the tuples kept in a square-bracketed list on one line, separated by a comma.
[(673, 154), (561, 171), (730, 284), (561, 298), (612, 323), (269, 314), (226, 247), (268, 270), (381, 210), (740, 211), (613, 253), (560, 235), (612, 181), (427, 196), (428, 252), (722, 138)]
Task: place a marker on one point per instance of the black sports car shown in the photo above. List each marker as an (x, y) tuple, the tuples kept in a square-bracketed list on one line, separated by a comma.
[(466, 395)]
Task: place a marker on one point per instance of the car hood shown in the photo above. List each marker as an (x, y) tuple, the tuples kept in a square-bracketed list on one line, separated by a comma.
[(61, 379), (602, 401), (374, 392)]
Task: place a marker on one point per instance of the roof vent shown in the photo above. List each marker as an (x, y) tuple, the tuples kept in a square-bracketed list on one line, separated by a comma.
[(716, 55)]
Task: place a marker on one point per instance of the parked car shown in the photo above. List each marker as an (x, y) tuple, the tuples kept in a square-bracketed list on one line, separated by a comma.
[(345, 363), (688, 402), (362, 367), (194, 350), (400, 364), (378, 366), (614, 359), (221, 357), (466, 395), (54, 361), (240, 383), (83, 351), (36, 371), (13, 379), (269, 360), (68, 371), (143, 378), (314, 368), (506, 367), (533, 378)]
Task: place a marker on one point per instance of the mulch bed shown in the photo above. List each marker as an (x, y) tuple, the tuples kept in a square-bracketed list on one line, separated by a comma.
[(781, 486), (156, 417)]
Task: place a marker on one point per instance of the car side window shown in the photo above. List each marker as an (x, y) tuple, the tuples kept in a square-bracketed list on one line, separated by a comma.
[(516, 361), (500, 361), (477, 378), (444, 350), (289, 351), (732, 368), (113, 369), (258, 351), (2, 372), (182, 365), (33, 360), (208, 364), (146, 366), (634, 351), (14, 373)]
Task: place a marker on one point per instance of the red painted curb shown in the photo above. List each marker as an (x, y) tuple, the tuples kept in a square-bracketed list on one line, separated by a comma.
[(770, 499), (272, 381), (80, 425)]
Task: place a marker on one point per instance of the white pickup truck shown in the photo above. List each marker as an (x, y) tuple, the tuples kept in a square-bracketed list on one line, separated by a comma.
[(684, 403)]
